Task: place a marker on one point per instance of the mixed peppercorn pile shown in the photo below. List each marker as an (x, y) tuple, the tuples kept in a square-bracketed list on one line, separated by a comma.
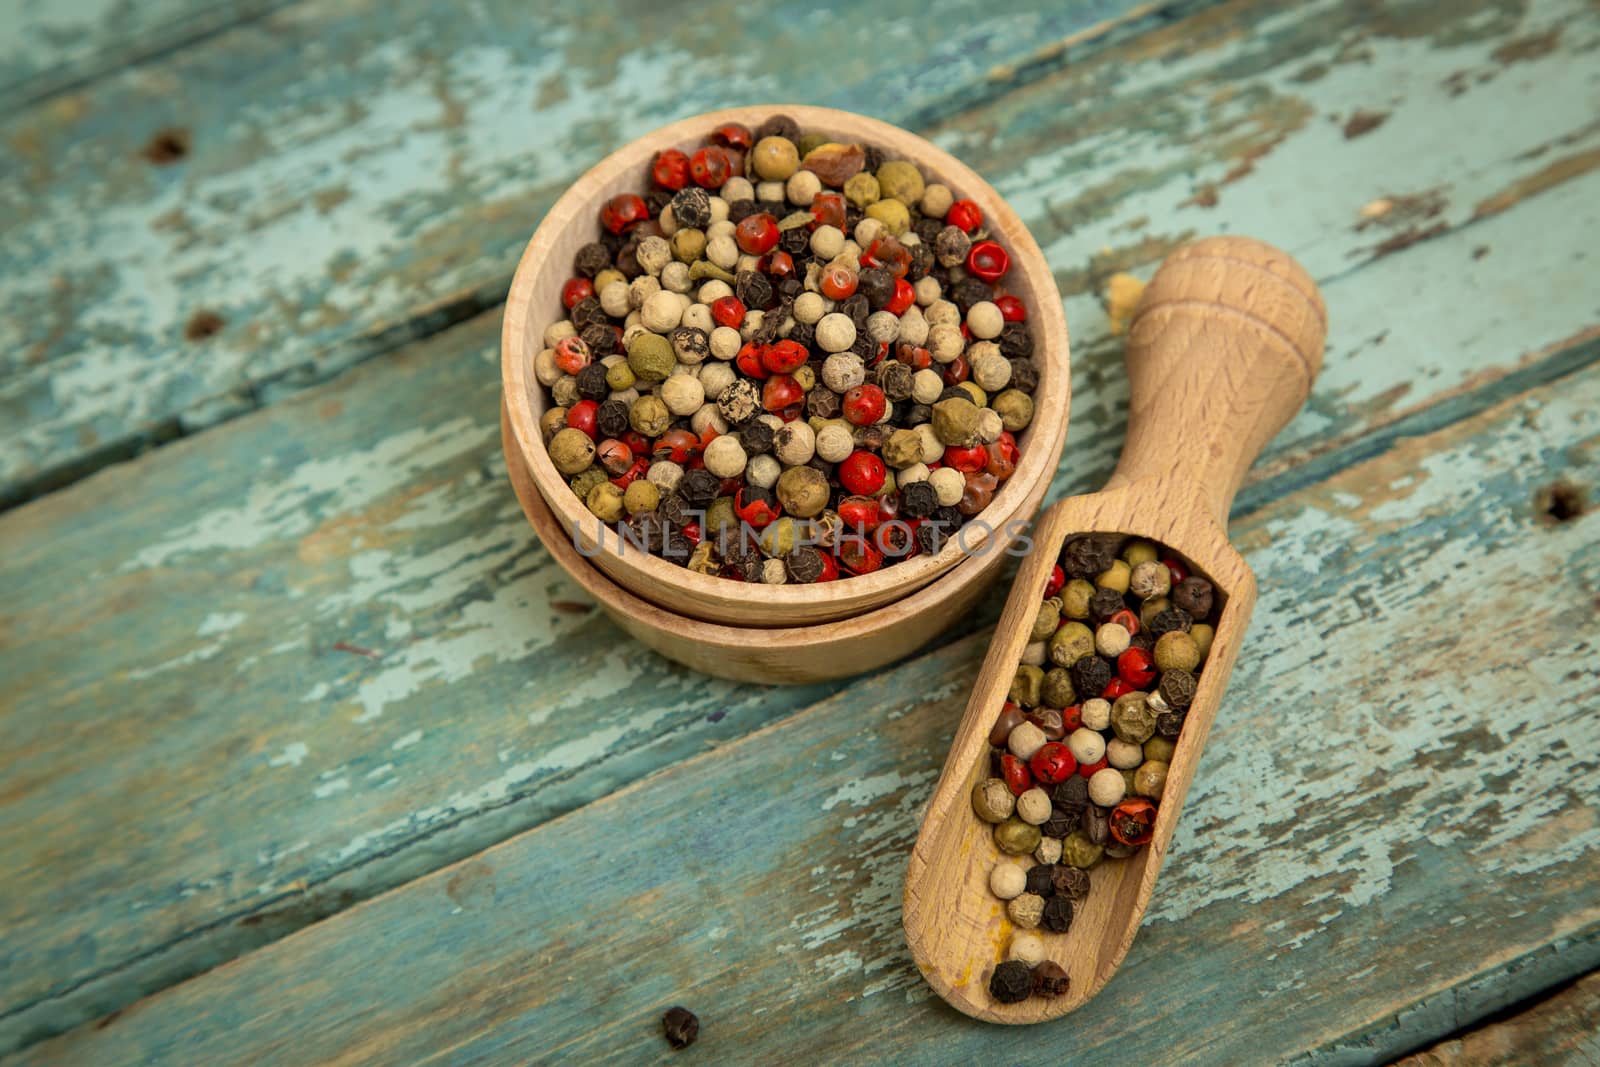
[(787, 360), (1080, 749)]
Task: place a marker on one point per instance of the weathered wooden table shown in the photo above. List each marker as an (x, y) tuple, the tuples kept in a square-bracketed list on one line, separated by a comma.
[(310, 754)]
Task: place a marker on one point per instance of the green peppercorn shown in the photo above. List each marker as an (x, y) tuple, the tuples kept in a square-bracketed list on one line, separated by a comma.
[(688, 245), (1202, 633), (1078, 851), (702, 559), (775, 159), (649, 415), (1026, 686), (862, 190), (1138, 552), (802, 491), (651, 357), (810, 142), (641, 495), (587, 480), (1057, 691), (975, 393), (1015, 409), (992, 800), (605, 501), (571, 451), (1150, 609), (552, 422), (1150, 779), (955, 422), (1075, 599), (1160, 749), (721, 518), (1046, 621), (779, 538), (892, 213), (620, 376), (1114, 577), (1132, 718), (1072, 642), (903, 448), (901, 181), (1177, 651), (1016, 837)]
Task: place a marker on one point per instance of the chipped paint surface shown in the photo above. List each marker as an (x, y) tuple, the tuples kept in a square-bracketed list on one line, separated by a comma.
[(1339, 822)]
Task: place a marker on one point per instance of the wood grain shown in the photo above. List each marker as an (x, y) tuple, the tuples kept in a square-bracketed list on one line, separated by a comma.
[(1368, 854), (359, 175), (417, 197), (1563, 1029), (1225, 343), (536, 296)]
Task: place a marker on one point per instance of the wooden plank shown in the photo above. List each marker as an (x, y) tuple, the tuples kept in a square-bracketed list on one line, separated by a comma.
[(1563, 1028), (416, 205), (367, 516), (1387, 837), (51, 46), (355, 175)]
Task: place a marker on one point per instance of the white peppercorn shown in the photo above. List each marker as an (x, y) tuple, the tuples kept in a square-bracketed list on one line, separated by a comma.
[(723, 251), (1026, 739), (883, 327), (802, 188), (990, 426), (1026, 910), (932, 447), (1096, 713), (917, 472), (773, 571), (736, 188), (835, 332), (675, 276), (867, 231), (927, 290), (809, 308), (614, 299), (653, 254), (1049, 850), (1123, 755), (827, 241), (1086, 745), (770, 191), (725, 342), (716, 377), (1111, 639), (662, 311), (719, 209), (698, 315), (565, 391), (950, 485), (762, 471), (945, 342), (683, 394), (843, 371), (990, 370), (557, 332), (926, 386), (913, 327), (984, 319), (1035, 653), (665, 475), (943, 313), (1026, 948), (834, 443), (641, 289), (1033, 806), (706, 418), (1107, 787), (1007, 880), (545, 369), (794, 443), (725, 457)]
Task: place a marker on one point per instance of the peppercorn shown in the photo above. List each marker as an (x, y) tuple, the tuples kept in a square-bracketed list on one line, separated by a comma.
[(641, 496), (1111, 640), (1177, 688), (1076, 598), (1057, 914), (1090, 674), (1011, 982), (1024, 740), (682, 1027), (1010, 716), (1072, 793), (605, 502), (1026, 948), (1194, 595), (1038, 882), (1057, 691), (1025, 910), (1132, 718), (1150, 779), (1169, 621), (1149, 579), (1169, 724), (1087, 555), (1177, 650), (992, 800), (1046, 620), (585, 482), (1063, 819), (1033, 806), (571, 450), (1070, 882), (1025, 689), (1078, 851), (1007, 880), (1050, 978), (1016, 837)]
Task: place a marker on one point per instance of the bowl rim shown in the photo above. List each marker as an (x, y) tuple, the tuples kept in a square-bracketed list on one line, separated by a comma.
[(1048, 320)]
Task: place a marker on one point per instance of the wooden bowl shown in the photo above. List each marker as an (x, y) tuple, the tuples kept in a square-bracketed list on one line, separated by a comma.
[(534, 303), (790, 655)]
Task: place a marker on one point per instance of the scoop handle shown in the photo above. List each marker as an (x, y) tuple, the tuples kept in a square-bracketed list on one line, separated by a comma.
[(1222, 351)]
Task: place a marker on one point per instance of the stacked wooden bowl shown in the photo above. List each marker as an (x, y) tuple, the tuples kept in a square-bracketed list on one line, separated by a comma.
[(766, 633)]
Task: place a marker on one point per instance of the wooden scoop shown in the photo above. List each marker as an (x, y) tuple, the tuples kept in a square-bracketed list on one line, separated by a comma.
[(1221, 353)]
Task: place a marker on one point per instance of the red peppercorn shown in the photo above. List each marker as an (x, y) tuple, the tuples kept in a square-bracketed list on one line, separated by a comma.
[(988, 261), (858, 555), (778, 264), (677, 445), (1178, 571), (966, 460), (964, 215), (920, 358), (671, 169), (862, 473), (757, 234), (784, 357), (571, 354), (1086, 770), (1053, 763), (864, 404), (1002, 463), (1136, 667), (731, 135), (1133, 822), (838, 283), (584, 416), (691, 530), (708, 435), (638, 442), (749, 359), (780, 392), (576, 290), (1018, 778), (1012, 309), (623, 212), (904, 296), (728, 311), (1127, 620), (640, 468), (614, 456), (1116, 688), (859, 512), (1071, 718), (1057, 582), (956, 371), (710, 167), (755, 513), (830, 569), (828, 209)]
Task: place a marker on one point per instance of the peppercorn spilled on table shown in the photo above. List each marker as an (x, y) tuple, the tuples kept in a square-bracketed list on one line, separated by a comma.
[(277, 641)]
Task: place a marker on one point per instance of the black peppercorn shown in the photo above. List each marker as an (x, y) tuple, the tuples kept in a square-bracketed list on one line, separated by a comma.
[(1193, 595), (823, 403), (969, 291), (864, 346), (804, 333), (1074, 792), (778, 126), (1090, 555), (1143, 640), (856, 309), (1169, 724), (614, 242), (949, 517), (699, 488), (803, 565), (592, 383), (753, 289), (917, 414), (951, 246), (918, 500), (739, 210), (775, 208), (795, 242), (1177, 688), (1024, 375), (877, 285), (1095, 824), (1050, 979), (602, 341), (789, 289), (646, 530), (756, 437), (1070, 882), (1038, 881), (953, 393), (1063, 820), (921, 263), (690, 342), (1104, 604), (676, 547), (656, 201), (931, 537), (681, 1026), (588, 312), (1057, 914), (628, 261), (595, 257), (1015, 340), (1011, 982), (691, 208), (894, 378), (677, 511), (1090, 674), (612, 418), (872, 158), (927, 230), (1170, 620)]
